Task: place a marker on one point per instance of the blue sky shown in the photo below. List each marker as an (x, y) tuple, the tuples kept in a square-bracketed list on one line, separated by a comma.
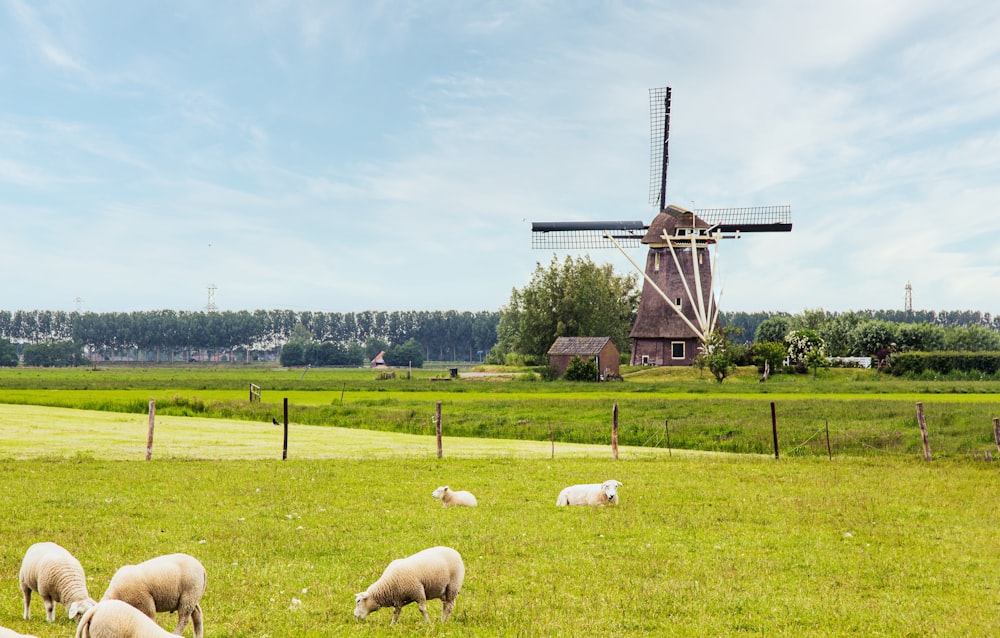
[(335, 156)]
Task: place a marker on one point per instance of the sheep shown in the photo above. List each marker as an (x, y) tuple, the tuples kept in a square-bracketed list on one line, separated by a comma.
[(58, 577), (590, 494), (118, 619), (436, 572), (449, 497), (175, 582), (10, 633)]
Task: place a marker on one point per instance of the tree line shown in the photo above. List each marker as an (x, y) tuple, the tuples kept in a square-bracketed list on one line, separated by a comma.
[(165, 335)]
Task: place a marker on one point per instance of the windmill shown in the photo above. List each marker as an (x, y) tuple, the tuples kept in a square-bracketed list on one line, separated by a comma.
[(678, 309)]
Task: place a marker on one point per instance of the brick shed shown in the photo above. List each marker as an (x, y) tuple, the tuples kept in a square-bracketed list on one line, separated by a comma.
[(600, 348)]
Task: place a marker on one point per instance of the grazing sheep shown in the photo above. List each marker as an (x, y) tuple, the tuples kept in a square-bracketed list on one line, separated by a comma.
[(175, 582), (450, 497), (590, 494), (117, 619), (10, 633), (432, 573), (58, 577)]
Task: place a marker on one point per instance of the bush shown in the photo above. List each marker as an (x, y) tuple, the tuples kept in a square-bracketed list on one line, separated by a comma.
[(580, 370)]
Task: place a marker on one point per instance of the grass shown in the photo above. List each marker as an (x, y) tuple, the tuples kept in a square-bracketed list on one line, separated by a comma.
[(883, 544), (700, 545)]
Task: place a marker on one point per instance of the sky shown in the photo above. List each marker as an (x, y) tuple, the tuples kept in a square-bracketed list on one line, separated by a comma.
[(391, 155)]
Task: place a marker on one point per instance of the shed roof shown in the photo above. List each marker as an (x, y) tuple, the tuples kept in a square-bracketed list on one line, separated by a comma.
[(589, 346)]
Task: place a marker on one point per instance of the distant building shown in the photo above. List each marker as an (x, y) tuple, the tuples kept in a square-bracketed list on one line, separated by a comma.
[(379, 361), (599, 349)]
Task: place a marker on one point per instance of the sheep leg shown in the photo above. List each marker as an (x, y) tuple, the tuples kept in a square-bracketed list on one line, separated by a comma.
[(50, 609), (27, 602), (183, 617), (196, 619), (395, 614), (446, 607), (422, 606)]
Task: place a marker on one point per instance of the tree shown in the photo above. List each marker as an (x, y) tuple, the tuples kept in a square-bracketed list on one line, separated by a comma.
[(575, 298), (410, 353), (770, 353), (719, 355), (292, 354), (871, 336), (8, 354), (772, 330)]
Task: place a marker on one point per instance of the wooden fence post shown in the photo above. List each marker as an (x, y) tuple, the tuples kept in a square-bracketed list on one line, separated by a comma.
[(996, 432), (552, 441), (774, 429), (437, 426), (666, 430), (829, 450), (614, 431), (284, 444), (923, 431), (149, 435)]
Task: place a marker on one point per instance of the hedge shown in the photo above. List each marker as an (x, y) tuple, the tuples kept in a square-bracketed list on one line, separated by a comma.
[(916, 363)]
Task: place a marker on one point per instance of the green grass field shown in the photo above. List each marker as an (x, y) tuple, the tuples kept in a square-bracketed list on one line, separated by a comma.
[(703, 544)]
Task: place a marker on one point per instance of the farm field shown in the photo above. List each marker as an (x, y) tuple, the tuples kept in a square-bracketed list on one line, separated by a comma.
[(864, 413), (718, 545), (875, 541)]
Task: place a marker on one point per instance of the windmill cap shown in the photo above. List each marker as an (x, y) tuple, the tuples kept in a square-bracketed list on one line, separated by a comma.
[(668, 221)]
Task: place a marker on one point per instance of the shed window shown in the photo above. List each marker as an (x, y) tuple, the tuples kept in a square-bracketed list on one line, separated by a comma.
[(676, 349)]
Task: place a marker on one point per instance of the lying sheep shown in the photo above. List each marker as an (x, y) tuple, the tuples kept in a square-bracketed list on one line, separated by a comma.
[(450, 497), (58, 577), (117, 619), (10, 633), (432, 573), (590, 494), (175, 582)]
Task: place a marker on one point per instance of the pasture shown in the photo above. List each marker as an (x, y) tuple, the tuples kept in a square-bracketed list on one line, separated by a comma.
[(702, 544)]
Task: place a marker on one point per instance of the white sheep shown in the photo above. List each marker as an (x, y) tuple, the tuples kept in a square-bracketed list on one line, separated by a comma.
[(450, 497), (175, 582), (590, 494), (10, 633), (58, 577), (436, 572), (117, 619)]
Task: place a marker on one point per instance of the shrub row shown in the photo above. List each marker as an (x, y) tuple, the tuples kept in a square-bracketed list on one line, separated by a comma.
[(918, 363)]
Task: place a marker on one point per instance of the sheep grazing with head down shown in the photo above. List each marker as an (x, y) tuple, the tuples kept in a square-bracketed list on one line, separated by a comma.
[(605, 493), (432, 573), (117, 619), (58, 577), (175, 582), (10, 633), (451, 497)]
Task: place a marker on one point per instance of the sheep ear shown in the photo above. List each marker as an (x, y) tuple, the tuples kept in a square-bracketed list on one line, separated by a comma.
[(74, 608)]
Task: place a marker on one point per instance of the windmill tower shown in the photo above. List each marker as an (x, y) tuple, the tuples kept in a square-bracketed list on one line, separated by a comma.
[(678, 309)]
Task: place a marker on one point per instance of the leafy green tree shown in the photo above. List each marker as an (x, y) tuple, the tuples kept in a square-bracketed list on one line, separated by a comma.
[(871, 336), (292, 354), (972, 339), (8, 354), (574, 298), (410, 353), (770, 353), (772, 330), (719, 355), (581, 370)]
